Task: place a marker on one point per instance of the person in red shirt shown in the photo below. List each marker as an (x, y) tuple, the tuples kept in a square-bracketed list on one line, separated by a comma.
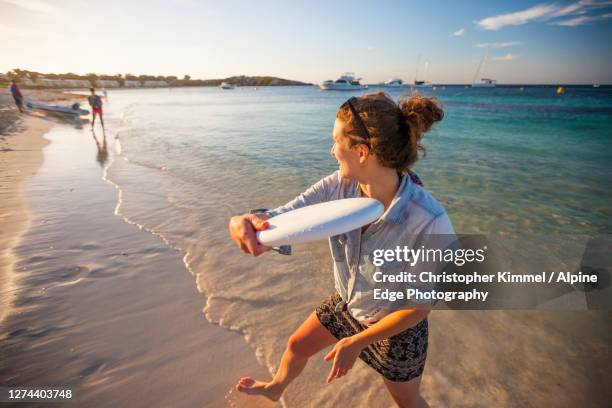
[(17, 96), (96, 107)]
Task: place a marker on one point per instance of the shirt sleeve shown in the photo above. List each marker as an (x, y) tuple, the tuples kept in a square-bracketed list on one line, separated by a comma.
[(319, 192)]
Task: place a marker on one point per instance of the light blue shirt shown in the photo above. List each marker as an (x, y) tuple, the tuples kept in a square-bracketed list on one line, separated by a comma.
[(412, 219)]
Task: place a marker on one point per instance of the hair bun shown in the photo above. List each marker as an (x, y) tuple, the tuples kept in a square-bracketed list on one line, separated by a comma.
[(420, 112)]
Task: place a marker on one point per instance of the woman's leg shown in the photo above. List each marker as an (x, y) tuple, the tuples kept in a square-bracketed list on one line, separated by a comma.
[(406, 394), (310, 338)]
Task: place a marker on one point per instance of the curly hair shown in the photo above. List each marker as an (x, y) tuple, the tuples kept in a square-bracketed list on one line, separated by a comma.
[(395, 129)]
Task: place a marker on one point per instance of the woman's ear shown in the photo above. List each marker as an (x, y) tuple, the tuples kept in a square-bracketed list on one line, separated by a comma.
[(364, 152)]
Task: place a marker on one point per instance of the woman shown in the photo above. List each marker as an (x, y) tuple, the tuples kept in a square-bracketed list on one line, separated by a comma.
[(376, 143)]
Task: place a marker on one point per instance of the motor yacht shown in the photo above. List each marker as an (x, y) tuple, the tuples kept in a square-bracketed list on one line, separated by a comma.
[(394, 83), (346, 82)]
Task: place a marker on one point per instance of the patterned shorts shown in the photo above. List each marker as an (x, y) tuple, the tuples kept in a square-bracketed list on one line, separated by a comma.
[(398, 358)]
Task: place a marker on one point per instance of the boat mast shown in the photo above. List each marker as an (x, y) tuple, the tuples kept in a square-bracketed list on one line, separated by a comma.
[(481, 65), (416, 73)]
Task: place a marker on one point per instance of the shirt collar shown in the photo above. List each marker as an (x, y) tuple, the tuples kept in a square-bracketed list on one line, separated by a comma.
[(397, 212)]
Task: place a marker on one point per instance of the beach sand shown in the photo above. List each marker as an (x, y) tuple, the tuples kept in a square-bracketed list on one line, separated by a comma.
[(97, 303)]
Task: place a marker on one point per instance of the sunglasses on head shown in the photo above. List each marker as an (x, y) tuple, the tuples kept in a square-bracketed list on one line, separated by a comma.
[(362, 129)]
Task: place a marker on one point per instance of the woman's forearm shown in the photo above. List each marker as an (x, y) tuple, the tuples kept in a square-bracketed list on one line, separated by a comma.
[(390, 325)]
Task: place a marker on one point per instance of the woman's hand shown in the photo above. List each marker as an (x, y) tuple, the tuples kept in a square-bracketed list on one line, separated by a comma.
[(242, 229), (344, 354)]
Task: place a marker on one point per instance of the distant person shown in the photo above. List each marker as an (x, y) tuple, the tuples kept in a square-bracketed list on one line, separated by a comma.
[(17, 96), (105, 93), (96, 107)]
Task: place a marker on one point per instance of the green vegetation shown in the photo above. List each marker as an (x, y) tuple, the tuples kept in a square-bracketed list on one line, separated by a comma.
[(36, 79)]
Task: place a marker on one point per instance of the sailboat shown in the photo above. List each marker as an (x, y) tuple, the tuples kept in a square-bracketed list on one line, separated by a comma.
[(421, 83), (484, 82)]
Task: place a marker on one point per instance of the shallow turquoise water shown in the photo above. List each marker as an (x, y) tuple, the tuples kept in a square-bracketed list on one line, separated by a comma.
[(502, 159)]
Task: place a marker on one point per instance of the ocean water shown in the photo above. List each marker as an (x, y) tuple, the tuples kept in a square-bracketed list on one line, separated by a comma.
[(505, 161)]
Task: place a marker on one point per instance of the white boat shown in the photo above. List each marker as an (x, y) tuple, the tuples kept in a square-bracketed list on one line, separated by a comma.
[(484, 82), (346, 82), (421, 83), (225, 85), (74, 110), (394, 83)]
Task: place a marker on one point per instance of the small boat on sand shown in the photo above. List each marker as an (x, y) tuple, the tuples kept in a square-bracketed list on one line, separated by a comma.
[(74, 110)]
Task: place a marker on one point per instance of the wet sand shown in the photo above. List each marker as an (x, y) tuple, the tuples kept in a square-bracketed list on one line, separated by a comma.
[(21, 146), (99, 304)]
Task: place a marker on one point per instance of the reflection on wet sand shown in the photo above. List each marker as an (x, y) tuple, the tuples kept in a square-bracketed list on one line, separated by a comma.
[(102, 154)]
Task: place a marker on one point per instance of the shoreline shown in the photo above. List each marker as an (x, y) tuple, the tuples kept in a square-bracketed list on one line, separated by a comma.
[(22, 155)]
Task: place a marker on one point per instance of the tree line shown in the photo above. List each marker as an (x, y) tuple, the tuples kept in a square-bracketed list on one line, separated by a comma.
[(21, 75), (24, 74)]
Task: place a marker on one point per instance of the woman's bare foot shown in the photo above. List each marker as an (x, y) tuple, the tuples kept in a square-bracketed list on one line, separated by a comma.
[(250, 386)]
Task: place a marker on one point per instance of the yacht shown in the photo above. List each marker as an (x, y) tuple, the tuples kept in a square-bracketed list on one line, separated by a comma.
[(346, 82), (422, 84), (485, 83), (418, 83), (394, 83), (225, 85)]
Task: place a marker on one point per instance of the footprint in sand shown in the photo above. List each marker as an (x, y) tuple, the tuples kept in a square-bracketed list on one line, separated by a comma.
[(237, 399)]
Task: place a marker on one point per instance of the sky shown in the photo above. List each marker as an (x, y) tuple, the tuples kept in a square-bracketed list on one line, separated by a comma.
[(526, 42)]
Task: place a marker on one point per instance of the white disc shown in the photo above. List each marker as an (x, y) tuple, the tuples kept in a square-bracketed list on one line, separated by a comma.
[(320, 221)]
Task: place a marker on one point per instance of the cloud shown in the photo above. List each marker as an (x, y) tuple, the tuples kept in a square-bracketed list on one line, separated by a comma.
[(507, 57), (496, 45), (459, 32), (37, 6), (520, 17), (582, 20), (544, 12)]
